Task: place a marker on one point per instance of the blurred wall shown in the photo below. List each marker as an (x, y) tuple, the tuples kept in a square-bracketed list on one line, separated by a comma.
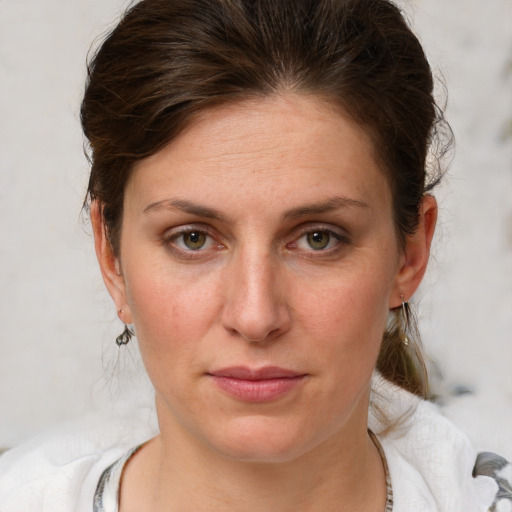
[(57, 354)]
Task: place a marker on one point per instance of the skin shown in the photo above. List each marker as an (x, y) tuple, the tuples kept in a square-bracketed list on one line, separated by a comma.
[(273, 171)]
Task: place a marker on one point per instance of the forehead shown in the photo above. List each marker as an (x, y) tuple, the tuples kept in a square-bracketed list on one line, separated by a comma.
[(286, 148)]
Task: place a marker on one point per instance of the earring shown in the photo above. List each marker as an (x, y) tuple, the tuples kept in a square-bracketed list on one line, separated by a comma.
[(405, 315), (125, 337)]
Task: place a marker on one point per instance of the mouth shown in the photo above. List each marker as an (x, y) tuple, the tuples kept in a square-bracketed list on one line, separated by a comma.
[(257, 385)]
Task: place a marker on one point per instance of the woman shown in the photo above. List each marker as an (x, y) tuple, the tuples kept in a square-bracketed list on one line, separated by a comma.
[(261, 213)]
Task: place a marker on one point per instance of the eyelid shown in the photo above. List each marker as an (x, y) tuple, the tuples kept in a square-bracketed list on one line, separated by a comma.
[(187, 228), (320, 226)]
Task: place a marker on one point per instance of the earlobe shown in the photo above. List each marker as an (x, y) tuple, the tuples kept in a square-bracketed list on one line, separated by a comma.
[(109, 265), (416, 253)]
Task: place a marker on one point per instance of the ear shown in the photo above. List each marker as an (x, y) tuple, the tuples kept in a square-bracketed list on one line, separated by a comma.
[(414, 259), (110, 265)]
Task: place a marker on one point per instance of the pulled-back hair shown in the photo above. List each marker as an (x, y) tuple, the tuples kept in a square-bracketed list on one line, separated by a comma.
[(167, 60)]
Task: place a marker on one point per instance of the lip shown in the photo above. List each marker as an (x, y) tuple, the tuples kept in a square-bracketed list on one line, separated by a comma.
[(257, 384)]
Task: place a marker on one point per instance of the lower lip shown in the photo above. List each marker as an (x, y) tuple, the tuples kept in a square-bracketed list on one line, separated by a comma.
[(257, 390)]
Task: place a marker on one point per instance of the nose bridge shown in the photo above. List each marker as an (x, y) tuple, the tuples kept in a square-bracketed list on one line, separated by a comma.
[(255, 307)]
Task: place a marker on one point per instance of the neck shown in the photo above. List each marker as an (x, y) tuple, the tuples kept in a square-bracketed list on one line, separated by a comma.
[(179, 473)]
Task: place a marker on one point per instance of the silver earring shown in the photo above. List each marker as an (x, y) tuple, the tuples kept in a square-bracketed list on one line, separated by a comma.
[(405, 315), (125, 337)]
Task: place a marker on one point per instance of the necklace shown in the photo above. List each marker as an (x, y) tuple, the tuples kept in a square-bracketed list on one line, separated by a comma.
[(389, 488)]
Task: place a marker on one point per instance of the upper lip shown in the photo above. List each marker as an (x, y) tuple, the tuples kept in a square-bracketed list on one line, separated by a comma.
[(265, 373)]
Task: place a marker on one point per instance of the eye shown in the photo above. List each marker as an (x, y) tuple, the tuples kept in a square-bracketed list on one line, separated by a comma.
[(319, 240), (193, 240)]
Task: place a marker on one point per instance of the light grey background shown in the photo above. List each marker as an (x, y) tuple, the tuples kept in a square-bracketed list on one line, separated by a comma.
[(57, 354)]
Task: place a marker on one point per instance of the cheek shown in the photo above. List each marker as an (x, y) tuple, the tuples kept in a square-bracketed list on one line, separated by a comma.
[(346, 318), (355, 308), (172, 312), (344, 327)]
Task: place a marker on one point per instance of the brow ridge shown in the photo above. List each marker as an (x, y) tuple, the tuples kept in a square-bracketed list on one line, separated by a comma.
[(187, 207), (333, 203)]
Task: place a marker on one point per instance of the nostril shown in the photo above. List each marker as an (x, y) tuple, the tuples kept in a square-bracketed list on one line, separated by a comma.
[(254, 337)]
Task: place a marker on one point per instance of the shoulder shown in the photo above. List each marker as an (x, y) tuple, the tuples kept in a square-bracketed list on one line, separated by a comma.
[(52, 474), (500, 470), (432, 464), (60, 473)]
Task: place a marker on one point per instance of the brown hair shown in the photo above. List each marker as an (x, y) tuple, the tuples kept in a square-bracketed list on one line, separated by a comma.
[(169, 59)]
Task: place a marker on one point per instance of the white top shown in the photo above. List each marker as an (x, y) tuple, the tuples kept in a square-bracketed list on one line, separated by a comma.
[(430, 462)]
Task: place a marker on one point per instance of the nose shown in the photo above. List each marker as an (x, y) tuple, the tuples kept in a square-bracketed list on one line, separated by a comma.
[(255, 307)]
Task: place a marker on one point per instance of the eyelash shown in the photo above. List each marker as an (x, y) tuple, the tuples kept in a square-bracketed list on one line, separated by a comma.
[(170, 242)]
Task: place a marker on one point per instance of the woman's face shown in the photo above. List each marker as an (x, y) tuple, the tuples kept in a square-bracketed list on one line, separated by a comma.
[(258, 263)]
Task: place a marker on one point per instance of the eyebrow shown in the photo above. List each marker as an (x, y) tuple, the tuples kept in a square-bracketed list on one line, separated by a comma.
[(334, 203), (187, 207)]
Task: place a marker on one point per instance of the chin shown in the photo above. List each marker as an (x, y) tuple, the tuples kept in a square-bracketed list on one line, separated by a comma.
[(262, 441)]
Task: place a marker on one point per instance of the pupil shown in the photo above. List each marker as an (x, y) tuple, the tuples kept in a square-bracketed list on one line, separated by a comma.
[(195, 240), (318, 240)]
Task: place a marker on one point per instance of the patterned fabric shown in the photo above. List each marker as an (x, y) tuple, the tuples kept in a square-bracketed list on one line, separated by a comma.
[(106, 497), (498, 468)]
